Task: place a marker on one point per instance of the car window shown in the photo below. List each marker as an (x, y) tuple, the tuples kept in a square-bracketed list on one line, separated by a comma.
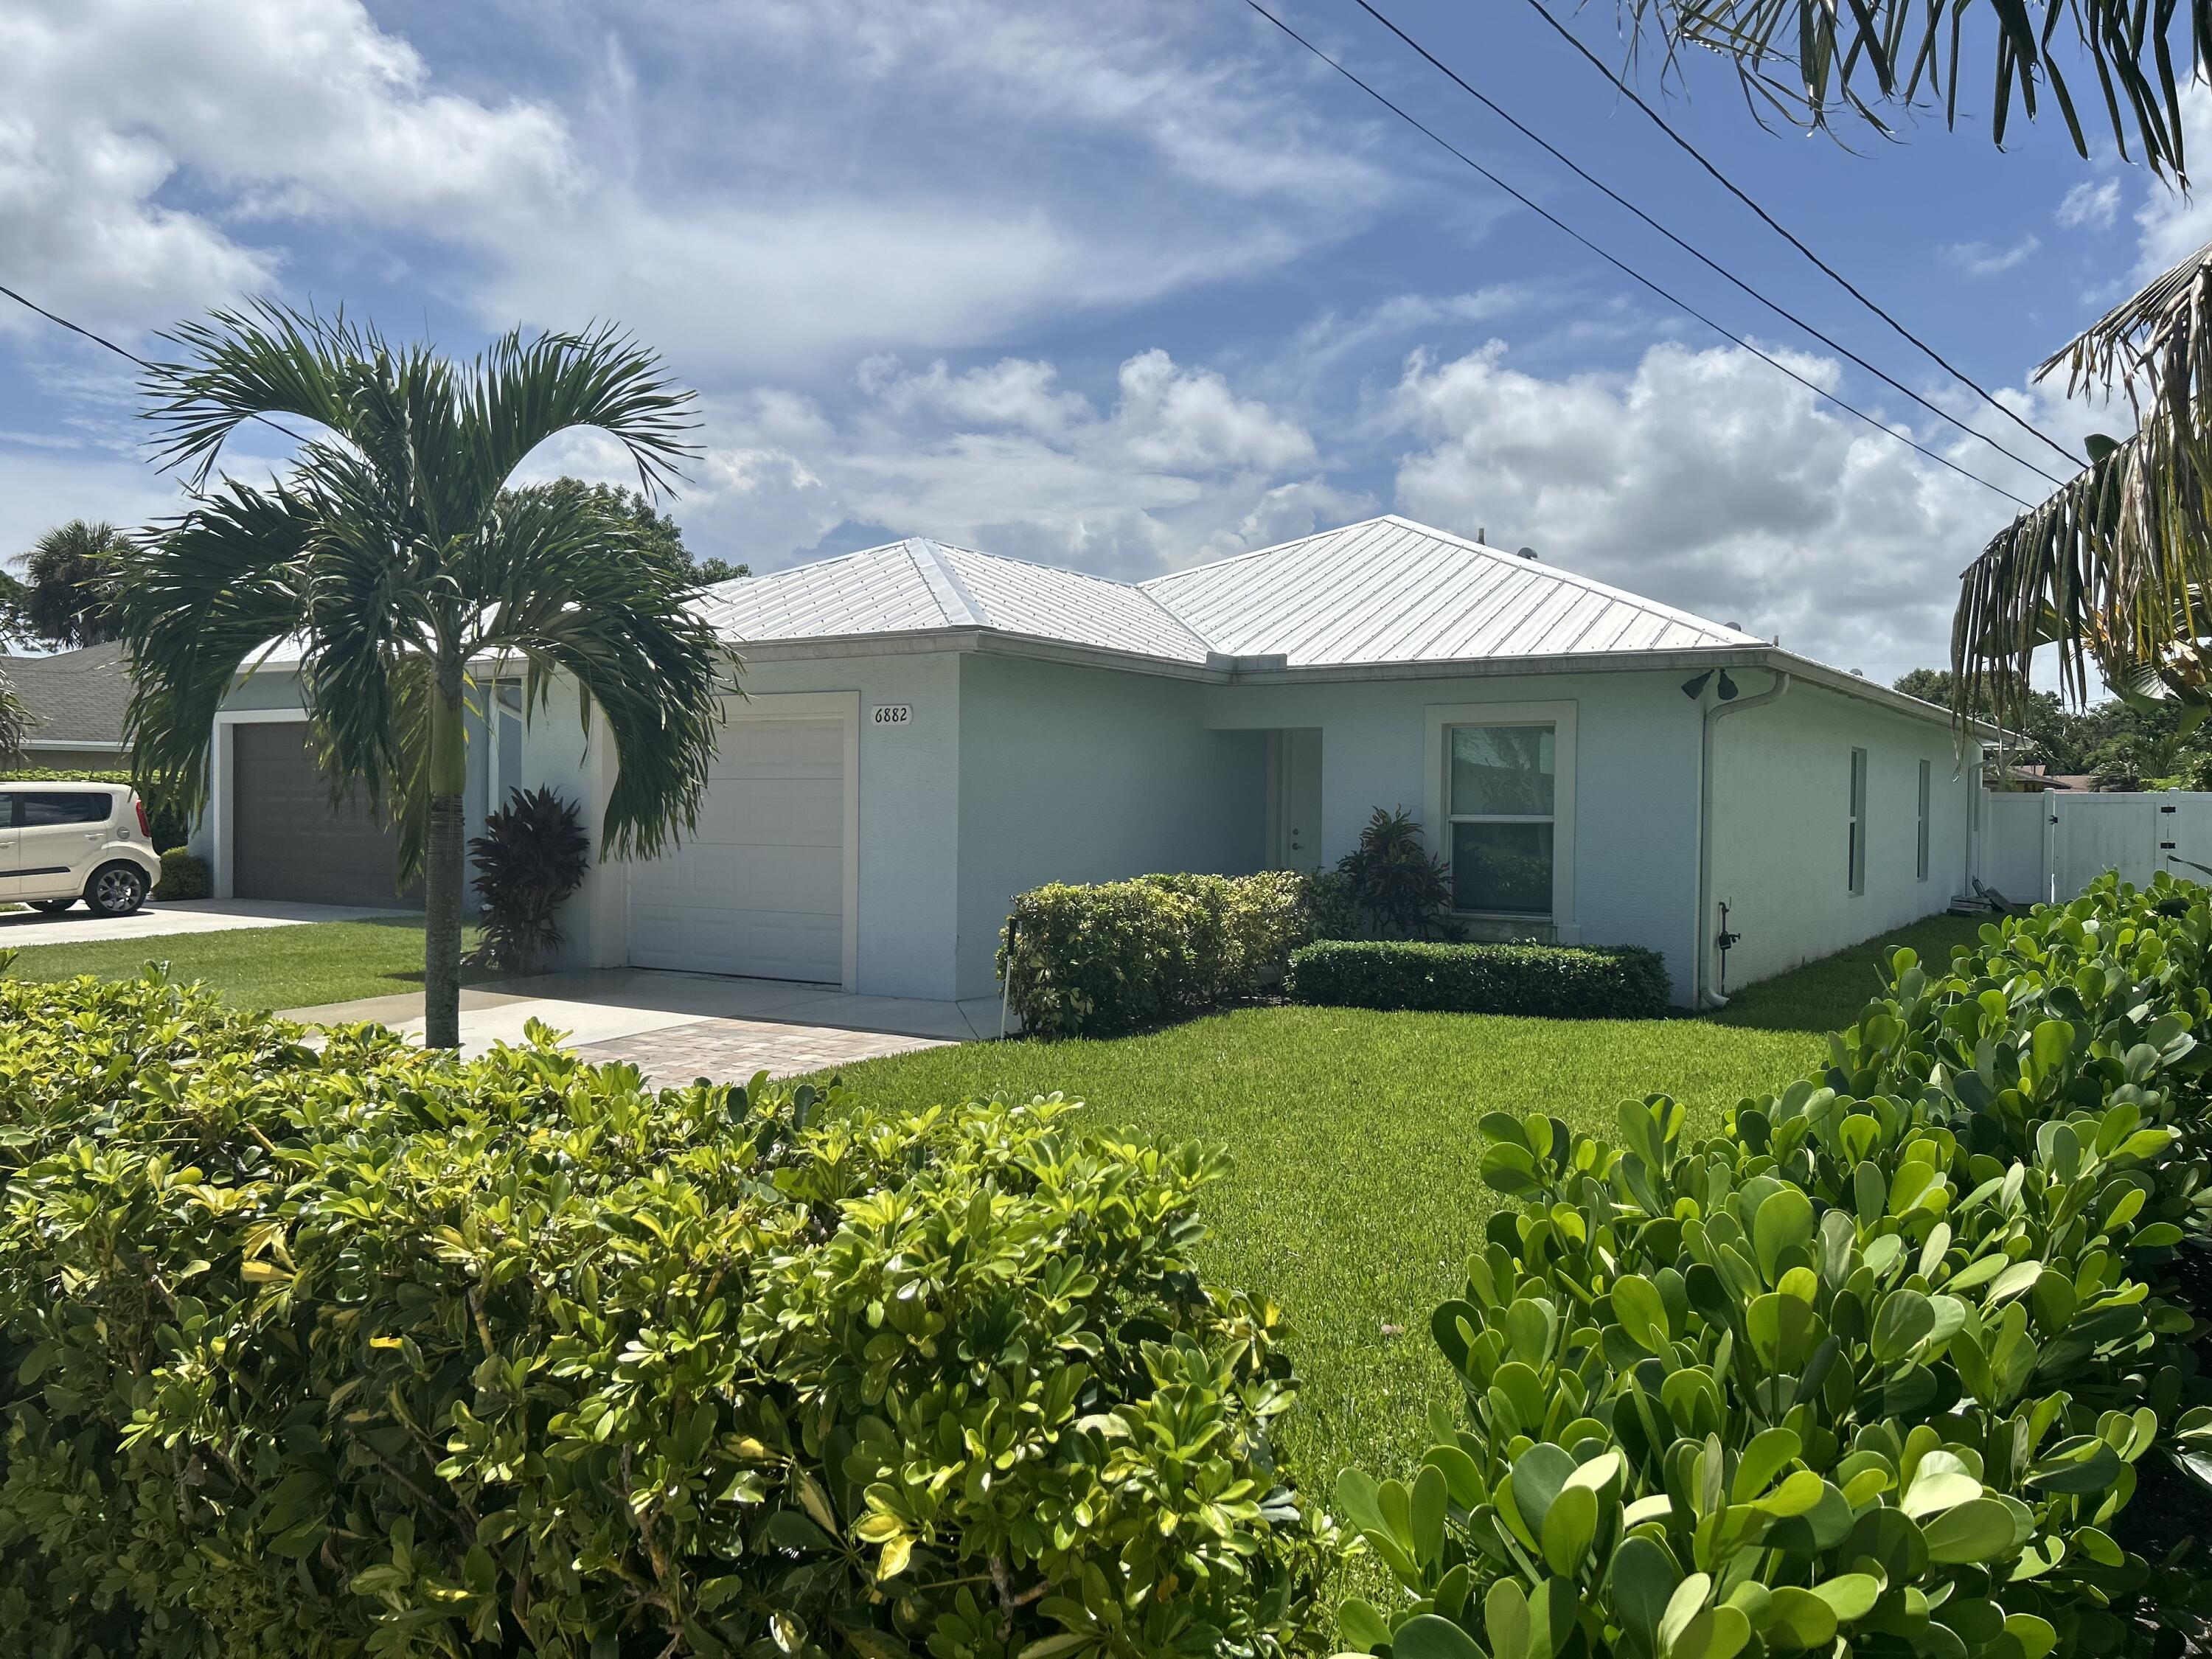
[(35, 808)]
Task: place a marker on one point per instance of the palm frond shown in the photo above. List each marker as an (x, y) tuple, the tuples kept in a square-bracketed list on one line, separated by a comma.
[(1817, 60), (572, 590), (2114, 567), (197, 604), (15, 720)]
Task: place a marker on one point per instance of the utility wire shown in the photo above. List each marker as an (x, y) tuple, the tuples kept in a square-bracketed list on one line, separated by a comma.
[(1787, 235), (60, 321), (1698, 254), (1627, 270)]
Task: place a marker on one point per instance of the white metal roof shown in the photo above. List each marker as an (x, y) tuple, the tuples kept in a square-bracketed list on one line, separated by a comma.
[(921, 584), (1390, 590), (1385, 591)]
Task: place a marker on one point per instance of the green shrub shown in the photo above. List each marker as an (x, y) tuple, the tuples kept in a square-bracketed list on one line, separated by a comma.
[(359, 1350), (1092, 961), (185, 875), (1874, 1365), (171, 826), (1401, 891), (532, 857), (1556, 981)]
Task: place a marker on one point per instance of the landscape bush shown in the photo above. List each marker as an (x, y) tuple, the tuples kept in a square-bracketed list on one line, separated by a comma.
[(171, 827), (1397, 887), (1554, 982), (1872, 1370), (185, 875), (533, 856), (1094, 961), (350, 1350)]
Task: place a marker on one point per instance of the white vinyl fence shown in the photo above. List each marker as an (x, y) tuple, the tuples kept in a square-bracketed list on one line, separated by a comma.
[(2051, 846)]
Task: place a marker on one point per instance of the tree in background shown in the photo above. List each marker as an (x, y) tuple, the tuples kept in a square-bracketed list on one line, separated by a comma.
[(66, 598), (2118, 744), (396, 552), (658, 535)]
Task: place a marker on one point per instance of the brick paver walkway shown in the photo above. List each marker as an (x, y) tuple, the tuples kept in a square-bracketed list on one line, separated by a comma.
[(733, 1050)]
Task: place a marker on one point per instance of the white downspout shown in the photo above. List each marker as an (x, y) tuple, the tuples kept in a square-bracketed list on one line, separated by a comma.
[(1704, 995)]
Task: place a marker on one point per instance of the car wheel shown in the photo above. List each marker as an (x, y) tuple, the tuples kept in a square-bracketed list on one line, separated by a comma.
[(116, 889), (53, 907)]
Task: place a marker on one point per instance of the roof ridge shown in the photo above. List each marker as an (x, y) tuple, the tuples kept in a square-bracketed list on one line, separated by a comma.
[(938, 575)]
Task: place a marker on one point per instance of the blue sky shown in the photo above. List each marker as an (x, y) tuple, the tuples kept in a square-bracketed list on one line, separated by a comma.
[(1124, 288)]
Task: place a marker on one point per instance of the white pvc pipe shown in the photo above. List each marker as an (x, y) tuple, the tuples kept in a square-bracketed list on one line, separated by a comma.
[(1704, 996)]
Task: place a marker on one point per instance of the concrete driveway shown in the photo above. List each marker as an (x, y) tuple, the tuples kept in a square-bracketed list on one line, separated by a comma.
[(679, 1027), (158, 918)]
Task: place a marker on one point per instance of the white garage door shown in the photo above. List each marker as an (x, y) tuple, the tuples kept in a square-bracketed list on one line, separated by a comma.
[(759, 888)]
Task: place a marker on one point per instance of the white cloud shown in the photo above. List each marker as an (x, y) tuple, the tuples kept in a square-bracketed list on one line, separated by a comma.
[(1176, 467), (2090, 206), (1704, 479), (1978, 260), (805, 185), (118, 111)]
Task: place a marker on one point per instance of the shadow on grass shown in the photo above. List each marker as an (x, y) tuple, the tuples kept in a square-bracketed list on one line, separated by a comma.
[(1822, 996)]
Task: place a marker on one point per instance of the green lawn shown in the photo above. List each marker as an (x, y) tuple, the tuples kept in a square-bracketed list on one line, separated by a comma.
[(255, 967), (1357, 1190)]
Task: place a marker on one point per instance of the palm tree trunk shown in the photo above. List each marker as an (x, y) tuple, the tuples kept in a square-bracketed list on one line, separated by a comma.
[(442, 869)]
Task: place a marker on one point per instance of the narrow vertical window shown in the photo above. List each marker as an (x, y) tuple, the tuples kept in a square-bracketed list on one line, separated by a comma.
[(1924, 797), (1502, 783), (1858, 820)]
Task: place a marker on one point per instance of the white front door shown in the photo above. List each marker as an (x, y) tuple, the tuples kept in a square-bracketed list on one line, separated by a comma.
[(758, 888)]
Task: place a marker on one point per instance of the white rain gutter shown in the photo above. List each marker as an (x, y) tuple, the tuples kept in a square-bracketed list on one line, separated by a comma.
[(1704, 995)]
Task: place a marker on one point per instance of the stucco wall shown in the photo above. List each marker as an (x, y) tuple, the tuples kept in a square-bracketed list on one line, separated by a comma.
[(1781, 835), (909, 780), (75, 760), (1085, 775), (1636, 772)]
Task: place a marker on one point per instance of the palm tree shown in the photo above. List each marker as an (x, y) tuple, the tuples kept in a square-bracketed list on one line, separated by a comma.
[(389, 555), (70, 600)]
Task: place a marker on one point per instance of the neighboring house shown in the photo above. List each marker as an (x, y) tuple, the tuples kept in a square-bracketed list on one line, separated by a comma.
[(927, 731), (77, 700)]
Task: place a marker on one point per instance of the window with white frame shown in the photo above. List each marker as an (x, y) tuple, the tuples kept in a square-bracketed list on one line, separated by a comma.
[(1926, 794), (1859, 836), (1502, 799)]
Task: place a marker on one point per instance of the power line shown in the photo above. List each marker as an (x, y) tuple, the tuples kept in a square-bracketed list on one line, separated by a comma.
[(1627, 270), (60, 321), (1787, 235), (1697, 253)]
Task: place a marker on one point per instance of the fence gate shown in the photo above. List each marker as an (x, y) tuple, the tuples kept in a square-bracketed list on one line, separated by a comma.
[(2051, 846)]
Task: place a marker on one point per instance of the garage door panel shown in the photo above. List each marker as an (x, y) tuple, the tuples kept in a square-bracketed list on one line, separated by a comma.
[(758, 888), (287, 842)]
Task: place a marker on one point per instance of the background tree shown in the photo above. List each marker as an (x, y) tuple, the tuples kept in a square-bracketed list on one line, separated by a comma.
[(68, 597), (658, 535), (395, 553)]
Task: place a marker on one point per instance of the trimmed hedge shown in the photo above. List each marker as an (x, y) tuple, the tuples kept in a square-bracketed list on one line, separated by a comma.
[(171, 827), (359, 1352), (185, 875), (1553, 982), (1094, 961), (1870, 1372)]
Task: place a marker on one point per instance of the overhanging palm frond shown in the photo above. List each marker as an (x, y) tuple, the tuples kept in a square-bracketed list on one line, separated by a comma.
[(577, 592), (198, 603), (1812, 60), (2113, 569), (15, 720)]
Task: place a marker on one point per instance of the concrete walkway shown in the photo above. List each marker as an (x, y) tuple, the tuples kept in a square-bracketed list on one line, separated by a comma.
[(677, 1027), (157, 918)]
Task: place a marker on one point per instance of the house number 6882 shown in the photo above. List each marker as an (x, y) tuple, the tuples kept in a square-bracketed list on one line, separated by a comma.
[(892, 713)]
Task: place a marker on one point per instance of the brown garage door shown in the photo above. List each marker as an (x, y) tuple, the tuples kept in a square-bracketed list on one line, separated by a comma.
[(286, 840)]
